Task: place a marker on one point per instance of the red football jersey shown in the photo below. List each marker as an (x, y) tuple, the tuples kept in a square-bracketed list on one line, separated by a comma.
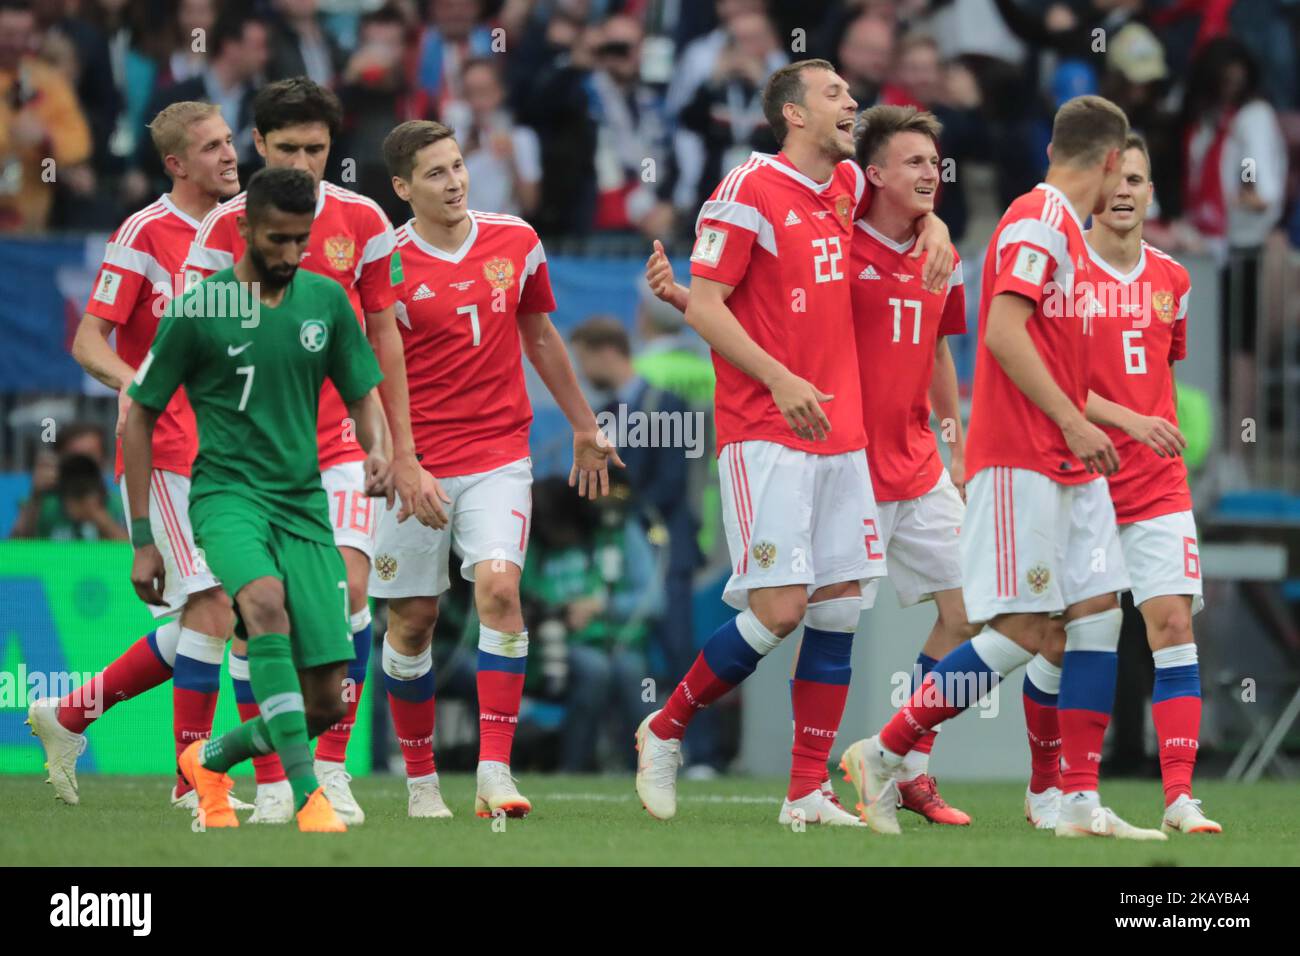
[(783, 242), (458, 314), (1140, 332), (351, 242), (1036, 251), (898, 324), (140, 274)]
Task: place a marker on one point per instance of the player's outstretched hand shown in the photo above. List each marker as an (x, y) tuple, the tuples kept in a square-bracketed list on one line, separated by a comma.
[(592, 455), (935, 243), (1161, 436), (420, 494), (1093, 446), (659, 273), (148, 574), (799, 401)]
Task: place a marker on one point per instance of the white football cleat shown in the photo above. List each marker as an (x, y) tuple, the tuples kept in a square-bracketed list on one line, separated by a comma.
[(656, 771), (62, 748), (817, 807), (273, 803), (497, 791), (1082, 815), (1185, 816), (1043, 810), (335, 778), (425, 799), (864, 766), (189, 801)]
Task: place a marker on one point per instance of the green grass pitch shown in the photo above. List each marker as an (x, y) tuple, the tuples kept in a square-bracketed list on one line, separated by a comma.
[(125, 821)]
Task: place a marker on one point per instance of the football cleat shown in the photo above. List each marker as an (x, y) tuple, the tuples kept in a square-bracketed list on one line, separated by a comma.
[(1082, 815), (1043, 810), (189, 801), (213, 788), (656, 771), (818, 807), (317, 816), (497, 791), (62, 748), (273, 803), (335, 779), (864, 767), (1185, 816), (424, 799), (921, 796)]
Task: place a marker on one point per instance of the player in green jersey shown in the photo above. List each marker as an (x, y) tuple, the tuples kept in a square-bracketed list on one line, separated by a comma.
[(252, 346)]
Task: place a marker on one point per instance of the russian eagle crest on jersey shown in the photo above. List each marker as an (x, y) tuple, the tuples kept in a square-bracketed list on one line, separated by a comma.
[(783, 242), (140, 275), (1141, 332), (352, 243), (1037, 251), (897, 323), (458, 315)]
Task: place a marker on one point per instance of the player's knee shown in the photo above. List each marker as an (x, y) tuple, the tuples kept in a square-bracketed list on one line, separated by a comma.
[(357, 596), (1172, 627), (209, 612), (497, 596), (782, 616), (261, 605), (410, 624), (324, 712)]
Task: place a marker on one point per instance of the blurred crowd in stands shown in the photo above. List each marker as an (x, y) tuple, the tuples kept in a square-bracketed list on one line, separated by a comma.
[(608, 116)]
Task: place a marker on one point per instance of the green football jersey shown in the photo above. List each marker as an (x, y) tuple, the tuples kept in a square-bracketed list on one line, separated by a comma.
[(253, 374)]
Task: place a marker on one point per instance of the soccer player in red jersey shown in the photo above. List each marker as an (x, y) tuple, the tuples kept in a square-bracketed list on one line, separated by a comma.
[(140, 275), (1139, 334), (904, 364), (476, 299), (770, 294), (352, 242), (1039, 537)]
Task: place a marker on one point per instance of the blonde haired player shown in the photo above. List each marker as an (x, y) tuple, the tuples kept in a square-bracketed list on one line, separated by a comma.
[(140, 274)]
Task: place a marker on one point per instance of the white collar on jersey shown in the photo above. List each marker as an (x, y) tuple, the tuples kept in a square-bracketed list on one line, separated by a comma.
[(768, 159), (1126, 279), (320, 198), (452, 257), (1069, 207), (179, 213), (884, 240)]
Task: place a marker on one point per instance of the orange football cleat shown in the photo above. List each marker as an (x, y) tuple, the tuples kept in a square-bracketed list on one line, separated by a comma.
[(213, 788), (922, 796), (317, 816)]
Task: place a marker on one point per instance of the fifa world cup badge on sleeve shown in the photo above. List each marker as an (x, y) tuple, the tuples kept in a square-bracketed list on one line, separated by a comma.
[(708, 247), (1029, 266)]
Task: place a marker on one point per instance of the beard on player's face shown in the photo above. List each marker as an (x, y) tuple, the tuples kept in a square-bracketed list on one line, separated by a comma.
[(271, 277)]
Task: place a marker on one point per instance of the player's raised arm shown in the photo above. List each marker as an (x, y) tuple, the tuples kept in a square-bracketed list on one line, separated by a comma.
[(1008, 341), (799, 401), (592, 452), (935, 243)]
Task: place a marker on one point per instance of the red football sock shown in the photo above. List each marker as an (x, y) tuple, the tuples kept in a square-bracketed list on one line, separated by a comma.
[(499, 693), (818, 708), (926, 744), (1044, 733), (332, 745), (192, 713), (1082, 732), (698, 689), (137, 670), (413, 722), (920, 715), (1178, 731), (266, 767)]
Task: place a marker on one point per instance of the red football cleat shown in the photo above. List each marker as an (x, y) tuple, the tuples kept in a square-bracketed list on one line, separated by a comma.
[(922, 796)]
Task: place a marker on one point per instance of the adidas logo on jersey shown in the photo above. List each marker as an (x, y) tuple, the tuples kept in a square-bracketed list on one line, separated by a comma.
[(423, 292), (791, 219), (869, 273)]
